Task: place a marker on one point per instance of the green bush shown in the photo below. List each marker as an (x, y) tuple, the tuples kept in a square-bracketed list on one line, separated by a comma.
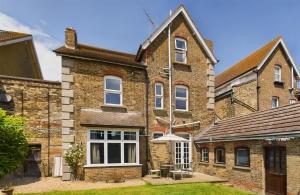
[(13, 143), (73, 158)]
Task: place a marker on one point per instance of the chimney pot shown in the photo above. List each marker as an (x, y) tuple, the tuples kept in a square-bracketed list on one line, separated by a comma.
[(70, 38)]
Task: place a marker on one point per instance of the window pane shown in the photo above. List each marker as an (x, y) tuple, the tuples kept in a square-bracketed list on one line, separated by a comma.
[(158, 102), (158, 89), (129, 135), (181, 104), (181, 92), (180, 56), (113, 98), (129, 153), (157, 135), (242, 157), (204, 155), (114, 153), (220, 156), (113, 84), (99, 135), (180, 44), (97, 153), (114, 135)]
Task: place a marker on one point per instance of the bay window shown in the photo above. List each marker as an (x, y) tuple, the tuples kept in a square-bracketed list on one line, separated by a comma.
[(181, 98), (112, 147), (112, 90), (159, 96)]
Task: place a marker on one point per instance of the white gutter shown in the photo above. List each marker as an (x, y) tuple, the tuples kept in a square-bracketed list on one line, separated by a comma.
[(186, 124)]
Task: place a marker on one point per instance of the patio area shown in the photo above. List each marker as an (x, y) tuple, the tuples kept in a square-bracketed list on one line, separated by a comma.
[(194, 178)]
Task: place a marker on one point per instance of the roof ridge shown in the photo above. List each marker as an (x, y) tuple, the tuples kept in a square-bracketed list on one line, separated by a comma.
[(15, 32), (108, 50), (265, 49)]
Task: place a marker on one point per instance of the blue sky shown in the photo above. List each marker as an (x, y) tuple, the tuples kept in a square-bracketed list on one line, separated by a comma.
[(237, 27)]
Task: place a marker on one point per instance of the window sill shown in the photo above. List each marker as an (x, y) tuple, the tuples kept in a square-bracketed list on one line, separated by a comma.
[(181, 64), (113, 108), (242, 168), (203, 163), (219, 165), (113, 165), (182, 113), (279, 84)]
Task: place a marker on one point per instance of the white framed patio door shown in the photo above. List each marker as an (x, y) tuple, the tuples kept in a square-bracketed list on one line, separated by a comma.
[(183, 151)]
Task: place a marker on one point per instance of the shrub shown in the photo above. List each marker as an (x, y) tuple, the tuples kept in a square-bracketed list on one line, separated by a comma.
[(73, 158)]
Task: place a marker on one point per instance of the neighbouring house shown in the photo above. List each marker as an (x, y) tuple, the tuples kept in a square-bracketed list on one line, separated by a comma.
[(259, 151), (265, 79), (24, 92), (114, 103)]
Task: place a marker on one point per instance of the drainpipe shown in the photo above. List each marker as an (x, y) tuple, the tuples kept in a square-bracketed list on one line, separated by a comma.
[(257, 90), (48, 126), (170, 76), (22, 102)]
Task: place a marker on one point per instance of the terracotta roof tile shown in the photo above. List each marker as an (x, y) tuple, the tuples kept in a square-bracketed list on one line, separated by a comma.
[(9, 35), (248, 63), (99, 54), (281, 120)]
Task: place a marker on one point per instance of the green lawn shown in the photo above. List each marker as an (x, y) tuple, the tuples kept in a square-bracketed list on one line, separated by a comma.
[(186, 189)]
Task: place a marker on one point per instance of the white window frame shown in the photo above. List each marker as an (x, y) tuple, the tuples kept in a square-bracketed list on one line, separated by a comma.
[(106, 142), (182, 148), (181, 50), (277, 67), (182, 98), (113, 91), (159, 96), (157, 132), (216, 155), (204, 150), (236, 156), (277, 101)]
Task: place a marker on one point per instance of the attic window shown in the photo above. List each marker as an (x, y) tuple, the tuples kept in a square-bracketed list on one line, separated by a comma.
[(180, 50), (277, 73)]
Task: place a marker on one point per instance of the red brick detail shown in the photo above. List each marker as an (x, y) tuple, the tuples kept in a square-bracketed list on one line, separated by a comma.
[(163, 129), (113, 72), (181, 82), (183, 129)]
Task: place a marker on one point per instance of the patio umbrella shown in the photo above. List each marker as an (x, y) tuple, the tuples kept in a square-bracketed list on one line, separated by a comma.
[(171, 138)]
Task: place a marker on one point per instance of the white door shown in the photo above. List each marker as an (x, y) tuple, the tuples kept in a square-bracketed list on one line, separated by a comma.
[(183, 153)]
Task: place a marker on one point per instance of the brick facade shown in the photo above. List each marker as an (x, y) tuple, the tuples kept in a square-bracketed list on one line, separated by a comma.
[(39, 102), (252, 178), (257, 94)]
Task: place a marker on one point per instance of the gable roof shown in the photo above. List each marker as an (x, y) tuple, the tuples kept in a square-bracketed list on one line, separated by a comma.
[(180, 10), (9, 35), (255, 60), (95, 53), (25, 41), (279, 121)]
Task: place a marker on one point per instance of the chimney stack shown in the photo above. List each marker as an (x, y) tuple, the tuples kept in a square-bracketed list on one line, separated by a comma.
[(70, 38)]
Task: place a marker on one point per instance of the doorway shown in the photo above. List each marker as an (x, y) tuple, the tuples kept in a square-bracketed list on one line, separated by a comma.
[(275, 170), (33, 161), (183, 154)]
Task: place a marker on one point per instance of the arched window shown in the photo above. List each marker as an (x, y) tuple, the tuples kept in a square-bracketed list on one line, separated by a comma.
[(159, 96), (112, 90), (277, 73), (242, 156), (180, 50), (220, 155), (181, 98)]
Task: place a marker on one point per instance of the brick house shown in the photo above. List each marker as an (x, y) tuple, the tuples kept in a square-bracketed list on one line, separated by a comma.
[(259, 151), (24, 92), (265, 79), (114, 103)]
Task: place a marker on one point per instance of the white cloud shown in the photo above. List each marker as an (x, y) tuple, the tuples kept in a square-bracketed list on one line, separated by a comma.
[(44, 44)]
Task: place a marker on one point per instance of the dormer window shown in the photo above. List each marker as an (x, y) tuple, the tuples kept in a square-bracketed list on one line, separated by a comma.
[(180, 50), (277, 73)]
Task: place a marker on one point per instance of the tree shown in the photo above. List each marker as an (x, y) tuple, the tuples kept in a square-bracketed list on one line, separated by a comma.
[(73, 158), (13, 142)]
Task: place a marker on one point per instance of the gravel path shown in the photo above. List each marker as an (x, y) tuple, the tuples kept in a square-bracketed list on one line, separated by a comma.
[(47, 184)]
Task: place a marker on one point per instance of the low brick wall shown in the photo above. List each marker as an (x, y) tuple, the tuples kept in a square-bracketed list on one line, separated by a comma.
[(109, 173)]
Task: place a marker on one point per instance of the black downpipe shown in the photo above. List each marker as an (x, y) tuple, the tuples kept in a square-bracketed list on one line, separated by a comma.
[(257, 90), (147, 119)]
